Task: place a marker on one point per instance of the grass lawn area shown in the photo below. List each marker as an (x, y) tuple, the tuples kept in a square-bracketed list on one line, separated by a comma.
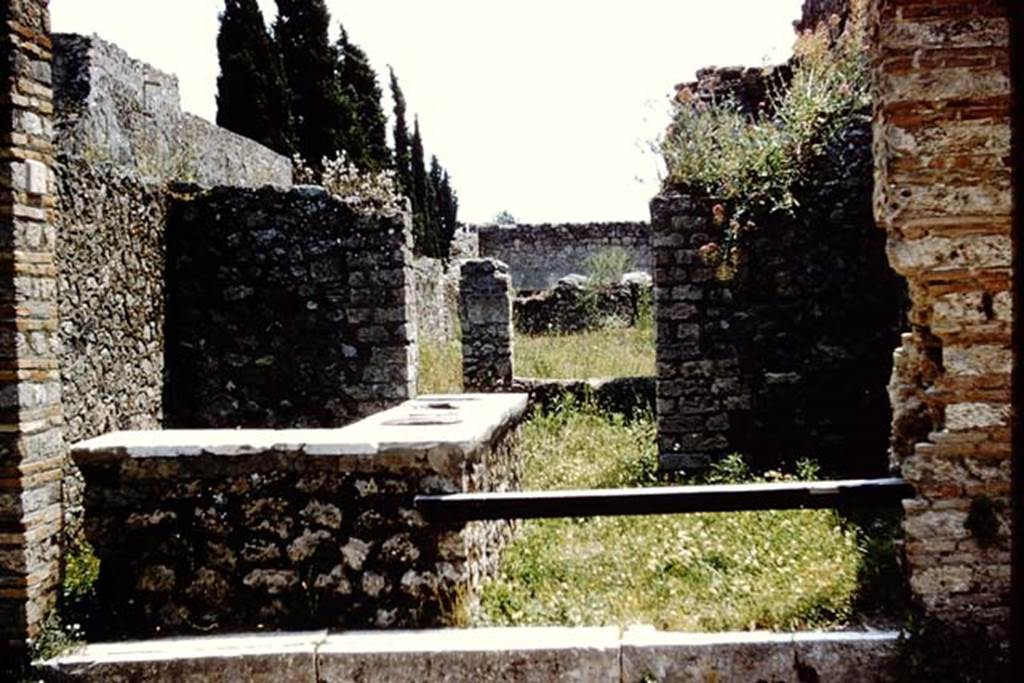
[(775, 570), (440, 368), (619, 352), (610, 352)]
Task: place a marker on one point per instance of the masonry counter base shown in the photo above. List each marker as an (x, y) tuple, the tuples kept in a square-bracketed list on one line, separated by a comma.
[(235, 530)]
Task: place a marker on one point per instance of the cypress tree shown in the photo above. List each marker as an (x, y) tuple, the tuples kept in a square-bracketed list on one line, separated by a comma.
[(403, 158), (322, 114), (252, 94), (366, 138), (448, 211), (421, 205)]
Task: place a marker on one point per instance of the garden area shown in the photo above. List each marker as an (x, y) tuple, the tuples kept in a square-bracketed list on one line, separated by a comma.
[(777, 570)]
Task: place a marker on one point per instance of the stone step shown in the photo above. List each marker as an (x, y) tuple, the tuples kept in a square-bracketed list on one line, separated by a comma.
[(487, 654)]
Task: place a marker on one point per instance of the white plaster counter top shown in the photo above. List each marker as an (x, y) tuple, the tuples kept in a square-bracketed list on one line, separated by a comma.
[(456, 424)]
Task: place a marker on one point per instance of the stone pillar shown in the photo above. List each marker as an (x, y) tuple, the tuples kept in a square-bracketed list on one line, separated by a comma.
[(485, 310), (699, 380), (32, 450), (942, 156)]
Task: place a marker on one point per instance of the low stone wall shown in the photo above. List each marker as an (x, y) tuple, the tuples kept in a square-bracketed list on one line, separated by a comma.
[(540, 255), (219, 530), (790, 357), (286, 308), (569, 307), (630, 396), (112, 108)]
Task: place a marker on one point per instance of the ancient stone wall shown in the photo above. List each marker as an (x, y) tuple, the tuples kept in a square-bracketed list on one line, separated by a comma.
[(540, 255), (571, 307), (485, 312), (943, 195), (437, 298), (239, 530), (285, 309), (110, 258), (789, 357), (112, 108), (110, 261), (751, 88), (32, 447)]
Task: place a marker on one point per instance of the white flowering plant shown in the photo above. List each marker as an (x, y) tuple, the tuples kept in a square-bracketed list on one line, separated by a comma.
[(373, 193)]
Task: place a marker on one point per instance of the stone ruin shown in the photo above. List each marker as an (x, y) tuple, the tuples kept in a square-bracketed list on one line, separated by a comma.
[(86, 332)]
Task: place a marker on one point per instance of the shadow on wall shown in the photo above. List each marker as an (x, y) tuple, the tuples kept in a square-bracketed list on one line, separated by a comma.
[(285, 309), (790, 358)]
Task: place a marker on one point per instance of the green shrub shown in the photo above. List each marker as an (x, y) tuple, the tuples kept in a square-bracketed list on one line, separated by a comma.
[(607, 266), (754, 166)]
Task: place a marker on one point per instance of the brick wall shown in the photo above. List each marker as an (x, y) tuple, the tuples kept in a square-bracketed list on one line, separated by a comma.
[(942, 155), (32, 449)]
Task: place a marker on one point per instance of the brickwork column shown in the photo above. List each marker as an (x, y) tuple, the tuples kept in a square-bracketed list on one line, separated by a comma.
[(942, 156), (485, 310), (32, 450)]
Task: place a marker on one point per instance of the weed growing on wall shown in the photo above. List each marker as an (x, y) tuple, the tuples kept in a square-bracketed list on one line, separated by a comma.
[(607, 266), (373, 193), (754, 166)]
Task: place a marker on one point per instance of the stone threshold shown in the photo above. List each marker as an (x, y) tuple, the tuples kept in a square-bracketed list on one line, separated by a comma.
[(638, 653)]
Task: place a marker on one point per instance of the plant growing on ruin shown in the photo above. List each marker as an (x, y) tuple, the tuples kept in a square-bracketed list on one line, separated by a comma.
[(754, 166), (607, 266), (368, 192)]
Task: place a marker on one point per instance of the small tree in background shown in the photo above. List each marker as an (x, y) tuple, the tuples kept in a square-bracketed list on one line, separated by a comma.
[(366, 137), (504, 218), (252, 95)]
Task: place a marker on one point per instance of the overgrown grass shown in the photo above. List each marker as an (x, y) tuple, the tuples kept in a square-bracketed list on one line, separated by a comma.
[(440, 368), (773, 569), (610, 352)]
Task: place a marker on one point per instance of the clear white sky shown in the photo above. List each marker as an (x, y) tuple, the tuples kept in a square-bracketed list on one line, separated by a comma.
[(544, 108)]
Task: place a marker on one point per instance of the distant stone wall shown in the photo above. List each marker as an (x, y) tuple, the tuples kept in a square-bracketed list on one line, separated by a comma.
[(570, 307), (437, 299), (539, 256), (791, 356), (285, 309), (112, 108), (943, 177), (243, 530)]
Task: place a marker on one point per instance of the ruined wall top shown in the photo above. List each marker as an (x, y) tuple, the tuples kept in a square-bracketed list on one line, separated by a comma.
[(112, 108)]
